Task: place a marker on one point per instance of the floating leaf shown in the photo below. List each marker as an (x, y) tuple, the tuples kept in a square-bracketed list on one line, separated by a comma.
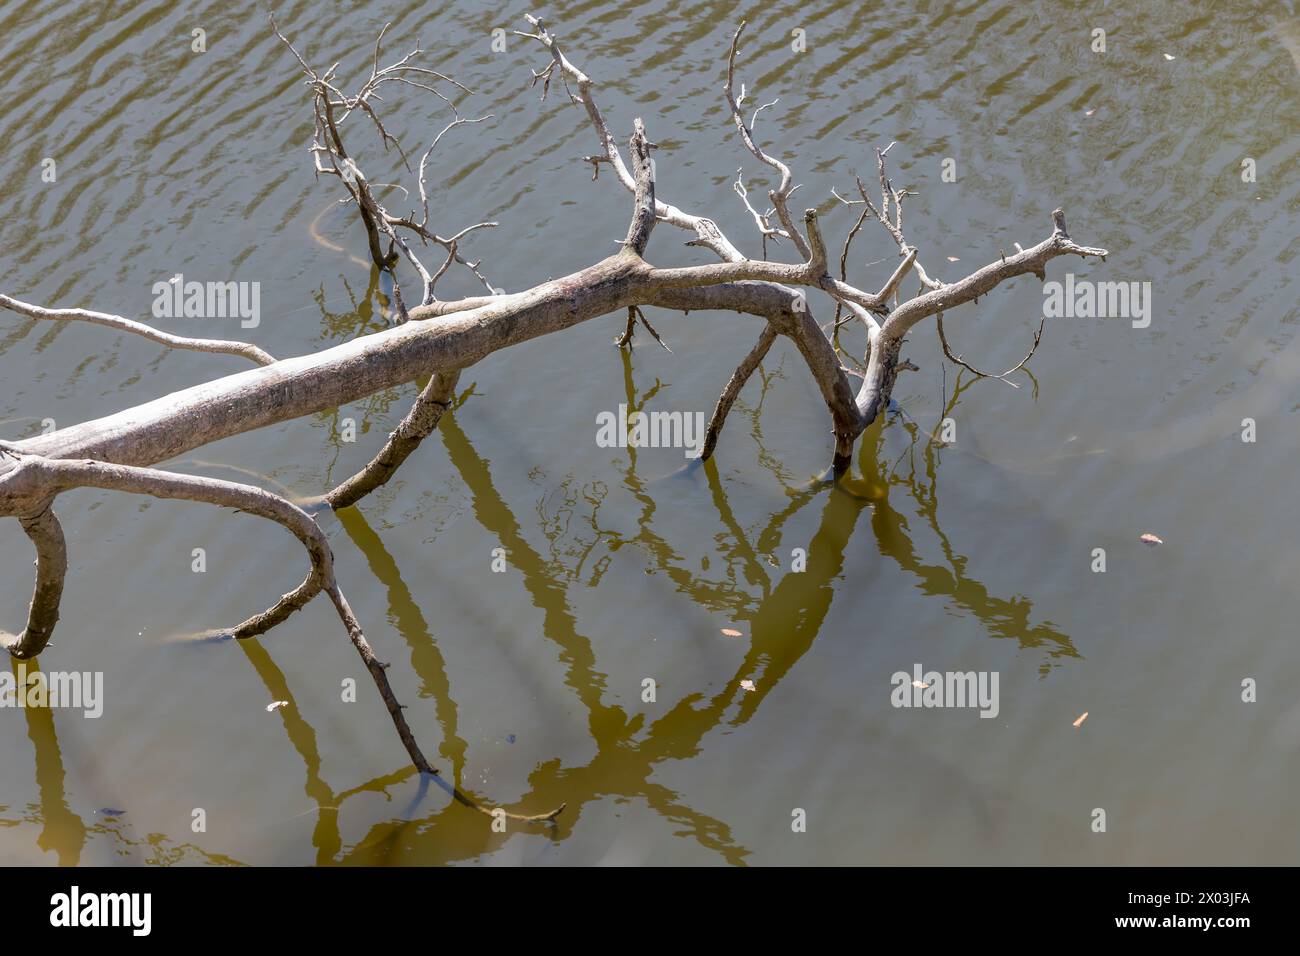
[(1090, 112), (921, 684), (1150, 539), (953, 259), (748, 685), (732, 632), (1169, 57), (1082, 718), (276, 705)]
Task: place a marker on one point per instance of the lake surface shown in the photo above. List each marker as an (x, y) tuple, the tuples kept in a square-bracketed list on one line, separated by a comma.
[(526, 686)]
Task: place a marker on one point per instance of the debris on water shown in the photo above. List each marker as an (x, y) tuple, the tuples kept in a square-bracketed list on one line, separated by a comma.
[(748, 685), (111, 812), (921, 684), (1090, 112), (276, 704), (1151, 539), (953, 259), (1082, 718), (510, 739), (731, 632), (1169, 56)]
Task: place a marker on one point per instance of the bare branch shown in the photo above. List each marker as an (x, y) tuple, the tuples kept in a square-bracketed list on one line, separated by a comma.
[(434, 399), (957, 359), (779, 195), (891, 286), (50, 476), (634, 313), (707, 233), (811, 273), (328, 143), (947, 296), (215, 346), (734, 384), (46, 534), (643, 215)]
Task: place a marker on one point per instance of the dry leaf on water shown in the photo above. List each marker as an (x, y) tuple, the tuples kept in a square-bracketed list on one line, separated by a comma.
[(732, 632), (1150, 539), (1082, 718), (921, 684), (748, 685), (276, 704)]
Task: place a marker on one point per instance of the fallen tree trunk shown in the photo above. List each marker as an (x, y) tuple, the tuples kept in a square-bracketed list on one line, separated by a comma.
[(446, 340), (292, 388), (440, 339)]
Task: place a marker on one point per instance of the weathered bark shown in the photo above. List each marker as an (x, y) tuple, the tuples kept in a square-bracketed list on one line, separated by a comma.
[(734, 384), (51, 567), (292, 388), (420, 421)]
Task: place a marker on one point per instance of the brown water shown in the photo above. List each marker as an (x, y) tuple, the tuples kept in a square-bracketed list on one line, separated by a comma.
[(526, 686)]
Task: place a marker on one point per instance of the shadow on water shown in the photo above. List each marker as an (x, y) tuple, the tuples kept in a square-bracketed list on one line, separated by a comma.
[(62, 831), (783, 617)]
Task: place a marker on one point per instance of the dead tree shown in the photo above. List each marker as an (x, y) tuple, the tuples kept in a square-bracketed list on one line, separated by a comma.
[(439, 339)]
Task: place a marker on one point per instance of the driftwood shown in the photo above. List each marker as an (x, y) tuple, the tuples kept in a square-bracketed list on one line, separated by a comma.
[(439, 339)]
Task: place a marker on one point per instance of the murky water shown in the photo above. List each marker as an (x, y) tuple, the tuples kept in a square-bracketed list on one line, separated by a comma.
[(526, 686)]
